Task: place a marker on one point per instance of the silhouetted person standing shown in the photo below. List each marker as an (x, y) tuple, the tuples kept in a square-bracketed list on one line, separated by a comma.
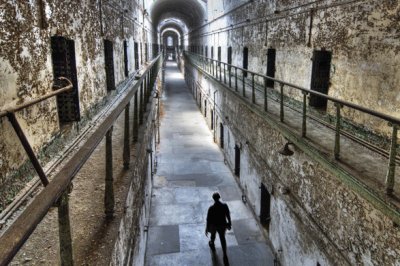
[(218, 220)]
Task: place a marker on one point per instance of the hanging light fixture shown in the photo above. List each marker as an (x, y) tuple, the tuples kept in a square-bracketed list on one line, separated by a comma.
[(285, 151)]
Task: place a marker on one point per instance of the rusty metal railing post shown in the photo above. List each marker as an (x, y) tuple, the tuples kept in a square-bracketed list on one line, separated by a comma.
[(135, 118), (236, 80), (126, 153), (253, 89), (224, 73), (230, 78), (146, 90), (27, 147), (337, 131), (220, 71), (216, 70), (141, 104), (64, 231), (304, 124), (265, 96), (109, 186), (282, 112), (243, 84), (392, 161)]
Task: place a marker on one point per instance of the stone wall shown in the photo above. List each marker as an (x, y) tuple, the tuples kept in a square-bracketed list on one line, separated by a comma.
[(362, 36), (26, 67), (315, 217)]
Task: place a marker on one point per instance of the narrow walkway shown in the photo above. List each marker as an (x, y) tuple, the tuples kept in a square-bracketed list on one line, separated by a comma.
[(190, 168)]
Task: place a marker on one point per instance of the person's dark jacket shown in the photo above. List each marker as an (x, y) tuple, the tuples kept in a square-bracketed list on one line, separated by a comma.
[(218, 216)]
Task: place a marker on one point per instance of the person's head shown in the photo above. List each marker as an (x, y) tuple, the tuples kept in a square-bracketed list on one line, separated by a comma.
[(216, 196)]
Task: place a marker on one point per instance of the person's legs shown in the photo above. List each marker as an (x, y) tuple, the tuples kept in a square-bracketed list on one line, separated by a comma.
[(213, 233), (221, 233)]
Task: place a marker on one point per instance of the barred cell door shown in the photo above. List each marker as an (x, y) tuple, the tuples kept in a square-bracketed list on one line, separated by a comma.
[(229, 56), (245, 60), (265, 209), (126, 63), (109, 64), (146, 52), (64, 65), (320, 77), (237, 160), (221, 135), (271, 55), (136, 48)]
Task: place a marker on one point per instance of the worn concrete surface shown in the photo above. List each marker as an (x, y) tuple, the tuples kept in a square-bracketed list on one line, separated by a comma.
[(190, 168)]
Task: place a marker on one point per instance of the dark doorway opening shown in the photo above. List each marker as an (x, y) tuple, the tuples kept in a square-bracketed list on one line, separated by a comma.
[(245, 60), (320, 77), (146, 52), (141, 53), (200, 100), (271, 55), (265, 208), (212, 52), (64, 65), (206, 53), (229, 57), (109, 64), (212, 119), (126, 59), (136, 48), (237, 160), (221, 135)]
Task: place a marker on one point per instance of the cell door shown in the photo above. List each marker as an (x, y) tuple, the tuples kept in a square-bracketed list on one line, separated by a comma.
[(136, 48), (221, 135), (271, 55), (229, 57), (320, 77), (64, 65), (212, 119), (265, 207), (146, 52), (237, 160), (206, 53), (109, 64), (212, 52), (126, 59), (141, 53), (245, 60)]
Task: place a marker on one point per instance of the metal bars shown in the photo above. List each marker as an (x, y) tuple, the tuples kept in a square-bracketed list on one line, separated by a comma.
[(55, 192), (393, 121)]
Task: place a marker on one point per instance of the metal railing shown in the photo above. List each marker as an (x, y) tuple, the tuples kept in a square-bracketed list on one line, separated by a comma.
[(231, 75), (56, 191)]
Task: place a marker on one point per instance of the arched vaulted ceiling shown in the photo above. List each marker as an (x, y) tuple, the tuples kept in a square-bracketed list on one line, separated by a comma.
[(174, 25), (191, 12)]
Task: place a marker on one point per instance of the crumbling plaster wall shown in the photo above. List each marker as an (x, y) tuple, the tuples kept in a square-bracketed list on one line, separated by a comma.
[(320, 219), (26, 65), (362, 36)]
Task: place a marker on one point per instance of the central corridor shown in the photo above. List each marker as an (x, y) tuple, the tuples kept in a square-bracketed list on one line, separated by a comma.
[(190, 167)]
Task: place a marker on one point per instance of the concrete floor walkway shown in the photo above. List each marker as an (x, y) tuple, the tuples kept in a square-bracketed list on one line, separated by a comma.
[(190, 168)]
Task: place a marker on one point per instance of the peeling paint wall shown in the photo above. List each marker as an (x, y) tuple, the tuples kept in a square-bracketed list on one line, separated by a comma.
[(26, 64), (362, 36), (314, 216)]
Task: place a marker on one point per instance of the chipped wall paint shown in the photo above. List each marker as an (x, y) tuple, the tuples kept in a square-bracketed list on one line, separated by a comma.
[(26, 65), (321, 219), (362, 36)]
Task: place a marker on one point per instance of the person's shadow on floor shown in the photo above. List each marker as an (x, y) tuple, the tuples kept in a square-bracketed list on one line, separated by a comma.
[(216, 261)]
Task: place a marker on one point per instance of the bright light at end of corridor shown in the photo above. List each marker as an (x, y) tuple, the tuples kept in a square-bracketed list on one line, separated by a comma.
[(175, 75)]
